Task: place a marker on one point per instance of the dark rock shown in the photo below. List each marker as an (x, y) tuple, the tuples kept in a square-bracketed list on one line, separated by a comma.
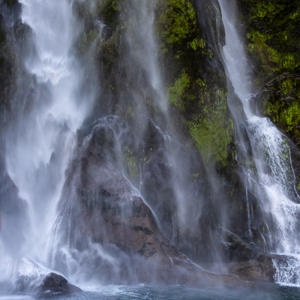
[(248, 261), (57, 284), (41, 283)]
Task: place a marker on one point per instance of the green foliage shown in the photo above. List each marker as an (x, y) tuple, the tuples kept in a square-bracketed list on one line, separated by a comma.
[(288, 116), (272, 60), (281, 104), (178, 22), (267, 10), (274, 44), (177, 27), (87, 39), (196, 90), (177, 91), (272, 32), (197, 43), (131, 164), (108, 10), (213, 132)]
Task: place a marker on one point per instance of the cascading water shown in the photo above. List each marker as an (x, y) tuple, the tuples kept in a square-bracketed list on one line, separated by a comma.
[(39, 145), (181, 194), (85, 187), (166, 164), (268, 171)]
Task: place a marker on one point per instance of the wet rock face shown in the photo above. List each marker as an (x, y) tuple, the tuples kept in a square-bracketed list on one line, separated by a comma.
[(247, 261), (107, 213)]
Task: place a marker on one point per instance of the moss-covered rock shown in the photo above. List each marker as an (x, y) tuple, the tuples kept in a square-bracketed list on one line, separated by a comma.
[(272, 41), (273, 38), (197, 87), (281, 102)]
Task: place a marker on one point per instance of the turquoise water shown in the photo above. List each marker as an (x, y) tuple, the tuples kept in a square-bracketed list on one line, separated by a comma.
[(266, 292)]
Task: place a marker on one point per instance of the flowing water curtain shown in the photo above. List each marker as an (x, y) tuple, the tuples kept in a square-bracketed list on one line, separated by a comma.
[(41, 138), (272, 176)]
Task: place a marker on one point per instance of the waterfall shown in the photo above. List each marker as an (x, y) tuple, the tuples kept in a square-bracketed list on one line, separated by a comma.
[(107, 181), (264, 154), (49, 110)]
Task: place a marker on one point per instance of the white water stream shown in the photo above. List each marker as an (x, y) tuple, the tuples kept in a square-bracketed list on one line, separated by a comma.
[(273, 177), (39, 145)]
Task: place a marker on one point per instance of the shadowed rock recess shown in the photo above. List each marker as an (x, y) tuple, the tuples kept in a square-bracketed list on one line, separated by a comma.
[(130, 146)]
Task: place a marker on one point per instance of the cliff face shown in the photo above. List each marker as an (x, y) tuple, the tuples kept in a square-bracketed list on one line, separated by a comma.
[(158, 71)]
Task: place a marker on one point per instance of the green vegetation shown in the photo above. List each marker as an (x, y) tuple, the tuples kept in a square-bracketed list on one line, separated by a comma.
[(274, 44), (197, 90), (108, 10), (177, 23), (281, 104), (177, 91), (213, 132), (273, 35), (131, 164), (87, 39)]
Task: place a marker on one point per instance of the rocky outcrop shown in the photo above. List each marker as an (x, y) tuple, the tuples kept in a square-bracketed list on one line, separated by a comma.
[(109, 211), (248, 261), (56, 284), (41, 282)]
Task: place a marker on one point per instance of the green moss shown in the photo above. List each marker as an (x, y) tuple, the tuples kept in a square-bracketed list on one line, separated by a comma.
[(108, 10), (213, 132), (109, 48), (274, 45), (178, 22), (178, 89), (129, 112), (177, 27), (196, 89), (131, 164), (87, 39), (272, 33), (287, 85), (287, 116), (197, 43), (268, 10)]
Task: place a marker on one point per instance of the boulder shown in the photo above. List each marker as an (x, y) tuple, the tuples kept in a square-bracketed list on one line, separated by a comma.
[(249, 262), (39, 282), (57, 284)]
